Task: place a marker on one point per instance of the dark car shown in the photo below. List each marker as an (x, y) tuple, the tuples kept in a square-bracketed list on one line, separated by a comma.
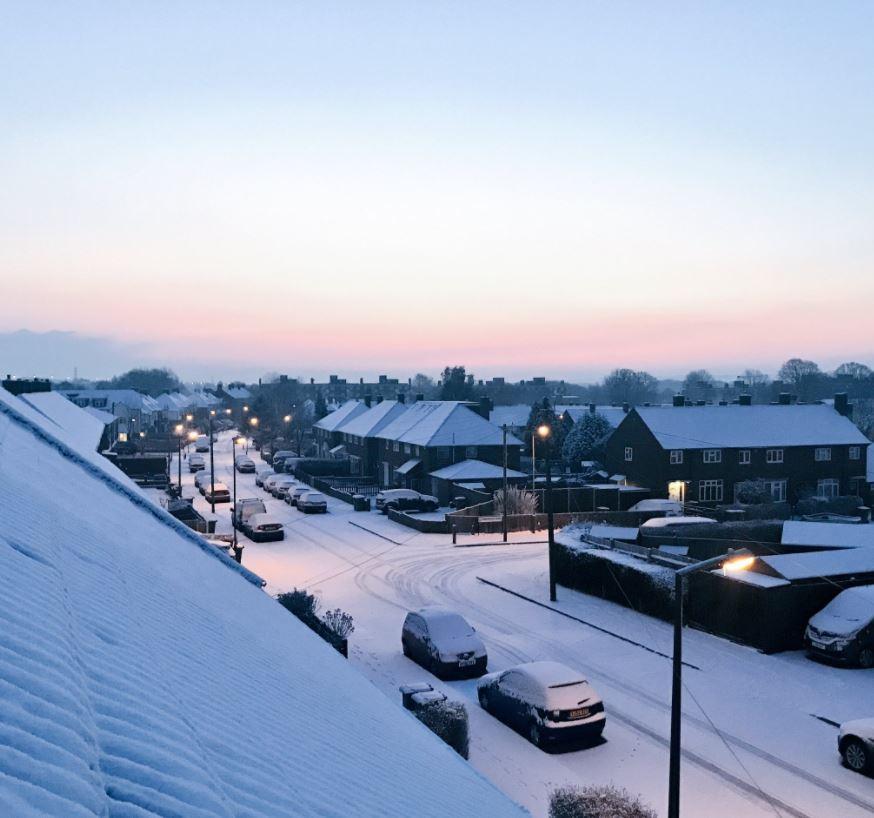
[(244, 464), (843, 631), (405, 500), (547, 702), (856, 745), (217, 493), (444, 643)]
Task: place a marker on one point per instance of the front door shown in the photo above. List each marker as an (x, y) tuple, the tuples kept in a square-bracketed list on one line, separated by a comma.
[(677, 491)]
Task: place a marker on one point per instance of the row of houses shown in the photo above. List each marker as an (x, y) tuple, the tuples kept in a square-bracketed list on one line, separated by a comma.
[(426, 445)]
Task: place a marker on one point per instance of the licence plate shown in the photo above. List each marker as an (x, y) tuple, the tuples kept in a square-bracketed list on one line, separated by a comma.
[(579, 714), (466, 662), (819, 645)]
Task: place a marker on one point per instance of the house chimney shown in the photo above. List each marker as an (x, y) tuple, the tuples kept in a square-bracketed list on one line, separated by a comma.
[(401, 397), (745, 400), (625, 408), (679, 400), (785, 399), (368, 400), (419, 396), (379, 398), (842, 405)]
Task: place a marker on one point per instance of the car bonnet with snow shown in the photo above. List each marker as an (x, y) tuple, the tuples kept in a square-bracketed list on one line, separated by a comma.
[(265, 522), (451, 634), (846, 614)]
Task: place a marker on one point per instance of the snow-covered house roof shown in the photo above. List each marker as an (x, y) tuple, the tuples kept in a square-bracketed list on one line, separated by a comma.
[(515, 416), (831, 535), (614, 415), (340, 417), (474, 470), (735, 426), (444, 423), (104, 417), (78, 426), (816, 564), (143, 676), (109, 398), (203, 400), (371, 421), (238, 393)]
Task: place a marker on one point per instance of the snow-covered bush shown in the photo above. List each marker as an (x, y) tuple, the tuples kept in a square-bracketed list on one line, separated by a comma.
[(339, 623), (300, 603), (753, 492), (586, 440), (447, 719), (519, 501), (847, 505), (597, 802)]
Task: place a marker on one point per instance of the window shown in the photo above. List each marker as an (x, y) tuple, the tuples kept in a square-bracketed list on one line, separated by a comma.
[(470, 452), (629, 454), (855, 453), (407, 448), (710, 491), (744, 457), (713, 456), (774, 456), (822, 453), (676, 457), (778, 490), (397, 446), (828, 488)]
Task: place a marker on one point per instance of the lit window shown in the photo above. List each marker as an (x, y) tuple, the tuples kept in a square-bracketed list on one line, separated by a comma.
[(774, 456), (713, 455), (676, 456)]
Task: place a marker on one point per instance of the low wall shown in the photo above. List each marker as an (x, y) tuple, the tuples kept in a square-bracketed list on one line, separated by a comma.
[(424, 526)]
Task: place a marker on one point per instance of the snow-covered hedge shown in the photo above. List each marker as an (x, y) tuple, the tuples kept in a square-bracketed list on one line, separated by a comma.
[(597, 802), (448, 719)]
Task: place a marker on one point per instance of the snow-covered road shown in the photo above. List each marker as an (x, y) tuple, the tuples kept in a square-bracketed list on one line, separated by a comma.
[(753, 745)]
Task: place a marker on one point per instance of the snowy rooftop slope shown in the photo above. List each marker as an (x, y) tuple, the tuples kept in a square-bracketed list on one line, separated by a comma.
[(614, 415), (444, 423), (515, 415), (142, 677), (703, 427), (104, 417), (79, 427), (813, 564), (126, 397), (474, 470), (339, 417), (377, 417), (834, 535)]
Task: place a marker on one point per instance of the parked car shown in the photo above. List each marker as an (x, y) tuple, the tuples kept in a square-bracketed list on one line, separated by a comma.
[(262, 473), (202, 480), (282, 485), (856, 745), (244, 464), (548, 702), (443, 642), (196, 463), (312, 502), (405, 500), (280, 459), (267, 483), (243, 509), (201, 444), (217, 493), (843, 631), (264, 527), (295, 494)]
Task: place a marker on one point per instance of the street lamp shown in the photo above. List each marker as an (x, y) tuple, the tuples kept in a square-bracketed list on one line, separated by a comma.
[(234, 440), (544, 432), (739, 560), (504, 504), (211, 464), (180, 429)]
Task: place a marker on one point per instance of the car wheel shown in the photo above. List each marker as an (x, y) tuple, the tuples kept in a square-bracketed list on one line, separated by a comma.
[(855, 755), (483, 699), (534, 734), (866, 657)]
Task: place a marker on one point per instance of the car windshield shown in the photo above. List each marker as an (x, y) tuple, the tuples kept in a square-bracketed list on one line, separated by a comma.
[(451, 626)]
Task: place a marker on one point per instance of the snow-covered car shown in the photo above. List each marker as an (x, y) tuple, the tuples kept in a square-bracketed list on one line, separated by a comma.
[(196, 463), (312, 502), (669, 507), (244, 464), (280, 487), (843, 631), (856, 745), (278, 460), (243, 509), (443, 642), (263, 527), (262, 473), (202, 480), (671, 522), (405, 500), (294, 494), (548, 702), (217, 493), (202, 444), (267, 482)]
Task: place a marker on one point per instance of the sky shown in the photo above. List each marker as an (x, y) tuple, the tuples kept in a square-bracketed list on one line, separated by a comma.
[(541, 188)]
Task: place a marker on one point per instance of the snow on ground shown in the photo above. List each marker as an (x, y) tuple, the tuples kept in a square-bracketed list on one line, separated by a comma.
[(755, 750), (141, 675)]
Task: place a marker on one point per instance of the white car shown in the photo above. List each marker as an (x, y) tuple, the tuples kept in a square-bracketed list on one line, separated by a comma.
[(856, 745), (262, 473), (196, 463), (265, 528), (546, 701), (267, 482), (202, 481), (202, 444), (312, 502), (295, 493), (280, 487), (443, 642)]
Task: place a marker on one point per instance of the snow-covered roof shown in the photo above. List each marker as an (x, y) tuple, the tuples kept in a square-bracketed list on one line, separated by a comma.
[(550, 674), (340, 417), (833, 535), (104, 417), (474, 470), (78, 426), (665, 522), (614, 415), (111, 397), (513, 416), (444, 423), (735, 426), (143, 676), (612, 532), (377, 417), (815, 564), (239, 393), (408, 466)]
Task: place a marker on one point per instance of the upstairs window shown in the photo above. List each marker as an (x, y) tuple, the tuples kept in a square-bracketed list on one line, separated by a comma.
[(676, 457), (774, 456), (822, 453), (744, 457), (855, 453), (713, 455), (629, 454)]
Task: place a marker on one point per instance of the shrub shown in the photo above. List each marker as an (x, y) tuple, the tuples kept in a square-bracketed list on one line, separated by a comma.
[(339, 623), (519, 501), (447, 719), (834, 505), (300, 603), (753, 492), (597, 802)]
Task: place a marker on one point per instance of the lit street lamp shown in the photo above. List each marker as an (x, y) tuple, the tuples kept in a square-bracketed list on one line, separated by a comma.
[(211, 464), (504, 515), (544, 432), (237, 550), (180, 429), (739, 560)]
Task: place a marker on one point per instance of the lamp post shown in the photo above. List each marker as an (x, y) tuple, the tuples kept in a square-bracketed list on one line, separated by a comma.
[(211, 464), (253, 422), (234, 506), (544, 432), (179, 430), (732, 560), (504, 504)]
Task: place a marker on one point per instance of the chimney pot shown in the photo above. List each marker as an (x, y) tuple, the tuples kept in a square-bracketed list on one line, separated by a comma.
[(679, 400), (401, 397)]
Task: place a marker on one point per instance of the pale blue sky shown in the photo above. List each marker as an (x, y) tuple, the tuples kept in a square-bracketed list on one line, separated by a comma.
[(653, 165)]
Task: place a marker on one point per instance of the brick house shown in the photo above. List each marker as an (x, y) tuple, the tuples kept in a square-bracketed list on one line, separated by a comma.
[(700, 453), (358, 435), (326, 431)]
